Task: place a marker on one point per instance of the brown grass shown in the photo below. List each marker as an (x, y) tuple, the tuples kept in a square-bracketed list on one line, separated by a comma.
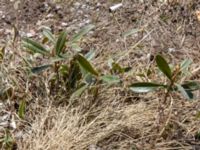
[(116, 118), (69, 128)]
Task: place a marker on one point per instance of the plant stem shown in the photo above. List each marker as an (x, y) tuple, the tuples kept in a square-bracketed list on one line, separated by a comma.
[(168, 91)]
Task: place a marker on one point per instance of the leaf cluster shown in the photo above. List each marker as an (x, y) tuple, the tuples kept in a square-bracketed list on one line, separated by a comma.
[(186, 88)]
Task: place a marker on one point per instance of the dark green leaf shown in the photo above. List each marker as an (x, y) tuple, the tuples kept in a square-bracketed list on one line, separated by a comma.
[(127, 69), (187, 94), (34, 46), (47, 33), (191, 86), (163, 66), (110, 79), (60, 44), (22, 107), (144, 87), (39, 69), (85, 64), (149, 72), (82, 32), (74, 74)]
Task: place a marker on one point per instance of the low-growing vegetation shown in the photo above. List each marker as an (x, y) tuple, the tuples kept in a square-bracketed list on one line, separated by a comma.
[(82, 89)]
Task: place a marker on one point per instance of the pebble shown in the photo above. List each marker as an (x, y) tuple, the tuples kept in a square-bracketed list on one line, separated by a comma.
[(77, 4), (64, 24), (50, 16), (171, 50), (31, 34)]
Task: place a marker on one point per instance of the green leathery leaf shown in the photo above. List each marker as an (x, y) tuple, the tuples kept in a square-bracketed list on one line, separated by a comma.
[(144, 87), (110, 79), (191, 85), (60, 44), (187, 94), (163, 66), (39, 69), (86, 65), (74, 74), (34, 46)]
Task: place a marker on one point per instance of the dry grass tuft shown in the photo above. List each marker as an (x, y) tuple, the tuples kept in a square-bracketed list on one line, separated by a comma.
[(69, 128)]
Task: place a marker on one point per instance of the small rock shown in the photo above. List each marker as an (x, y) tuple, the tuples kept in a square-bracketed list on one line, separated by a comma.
[(32, 33), (3, 16), (50, 16), (80, 12), (91, 8), (81, 24), (64, 24), (58, 7), (98, 4), (72, 9), (171, 50), (77, 4), (39, 23), (83, 6), (87, 21)]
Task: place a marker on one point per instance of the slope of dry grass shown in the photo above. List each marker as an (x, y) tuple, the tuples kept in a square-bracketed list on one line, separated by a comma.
[(116, 118)]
